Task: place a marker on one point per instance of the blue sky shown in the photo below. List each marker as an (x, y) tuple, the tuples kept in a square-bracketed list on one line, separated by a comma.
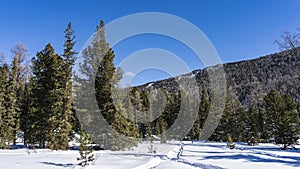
[(238, 29)]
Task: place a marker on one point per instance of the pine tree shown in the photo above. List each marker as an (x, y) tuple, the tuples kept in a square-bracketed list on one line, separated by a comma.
[(3, 122), (13, 94), (85, 149), (47, 95), (29, 118), (232, 122), (128, 107), (240, 118), (288, 124), (227, 123), (282, 119), (12, 112), (161, 129), (64, 126), (274, 106), (203, 110), (86, 84), (252, 133), (123, 125), (230, 142), (97, 73), (25, 114), (158, 98)]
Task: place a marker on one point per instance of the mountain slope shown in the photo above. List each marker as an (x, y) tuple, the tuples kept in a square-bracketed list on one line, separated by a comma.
[(247, 81)]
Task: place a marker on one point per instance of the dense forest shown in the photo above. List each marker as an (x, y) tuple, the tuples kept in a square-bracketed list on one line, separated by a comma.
[(45, 103)]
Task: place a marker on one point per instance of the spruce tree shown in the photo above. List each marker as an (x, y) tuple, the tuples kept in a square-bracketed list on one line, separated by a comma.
[(252, 132), (3, 122), (232, 122), (13, 96), (282, 119), (12, 113), (67, 115), (125, 130), (25, 118), (227, 123), (288, 124), (203, 110), (47, 94), (85, 149), (98, 73), (274, 106)]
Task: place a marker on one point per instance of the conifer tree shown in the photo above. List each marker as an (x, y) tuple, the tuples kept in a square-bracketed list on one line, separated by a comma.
[(3, 122), (232, 122), (67, 111), (288, 124), (85, 149), (97, 70), (25, 120), (13, 94), (203, 110), (252, 133), (226, 125), (274, 106), (47, 89), (282, 119), (128, 107)]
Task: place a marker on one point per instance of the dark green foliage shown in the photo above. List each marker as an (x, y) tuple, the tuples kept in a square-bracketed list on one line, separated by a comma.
[(3, 116), (48, 108), (232, 121), (85, 149), (252, 132), (12, 89), (282, 121), (204, 107), (102, 118), (67, 115), (47, 89), (42, 105)]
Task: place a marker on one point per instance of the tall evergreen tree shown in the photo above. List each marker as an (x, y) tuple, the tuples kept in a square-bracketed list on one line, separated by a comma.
[(282, 119), (274, 106), (3, 121), (25, 114), (97, 70), (67, 115), (47, 69), (288, 124), (252, 132), (13, 94), (202, 113), (232, 122)]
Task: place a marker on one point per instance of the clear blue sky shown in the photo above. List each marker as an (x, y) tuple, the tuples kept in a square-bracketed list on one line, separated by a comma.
[(238, 29)]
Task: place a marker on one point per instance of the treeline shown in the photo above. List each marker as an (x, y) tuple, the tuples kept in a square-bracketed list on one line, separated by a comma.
[(36, 99), (275, 120)]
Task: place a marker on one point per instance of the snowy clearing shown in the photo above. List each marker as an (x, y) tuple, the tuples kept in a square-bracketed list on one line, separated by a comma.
[(205, 155)]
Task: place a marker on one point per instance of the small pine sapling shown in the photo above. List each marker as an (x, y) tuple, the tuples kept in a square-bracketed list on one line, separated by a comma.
[(230, 142), (85, 150)]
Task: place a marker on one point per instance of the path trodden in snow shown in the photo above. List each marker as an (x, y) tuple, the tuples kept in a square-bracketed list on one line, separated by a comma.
[(205, 155)]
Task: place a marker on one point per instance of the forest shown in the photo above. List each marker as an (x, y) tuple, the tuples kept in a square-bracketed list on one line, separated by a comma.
[(45, 103)]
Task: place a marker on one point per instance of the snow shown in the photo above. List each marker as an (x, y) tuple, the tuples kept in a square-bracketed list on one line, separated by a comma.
[(205, 155), (192, 76), (149, 85)]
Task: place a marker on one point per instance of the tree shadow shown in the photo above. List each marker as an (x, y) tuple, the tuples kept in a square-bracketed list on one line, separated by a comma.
[(254, 158), (58, 164)]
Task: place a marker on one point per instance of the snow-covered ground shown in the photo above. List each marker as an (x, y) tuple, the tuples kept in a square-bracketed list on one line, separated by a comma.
[(206, 155)]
